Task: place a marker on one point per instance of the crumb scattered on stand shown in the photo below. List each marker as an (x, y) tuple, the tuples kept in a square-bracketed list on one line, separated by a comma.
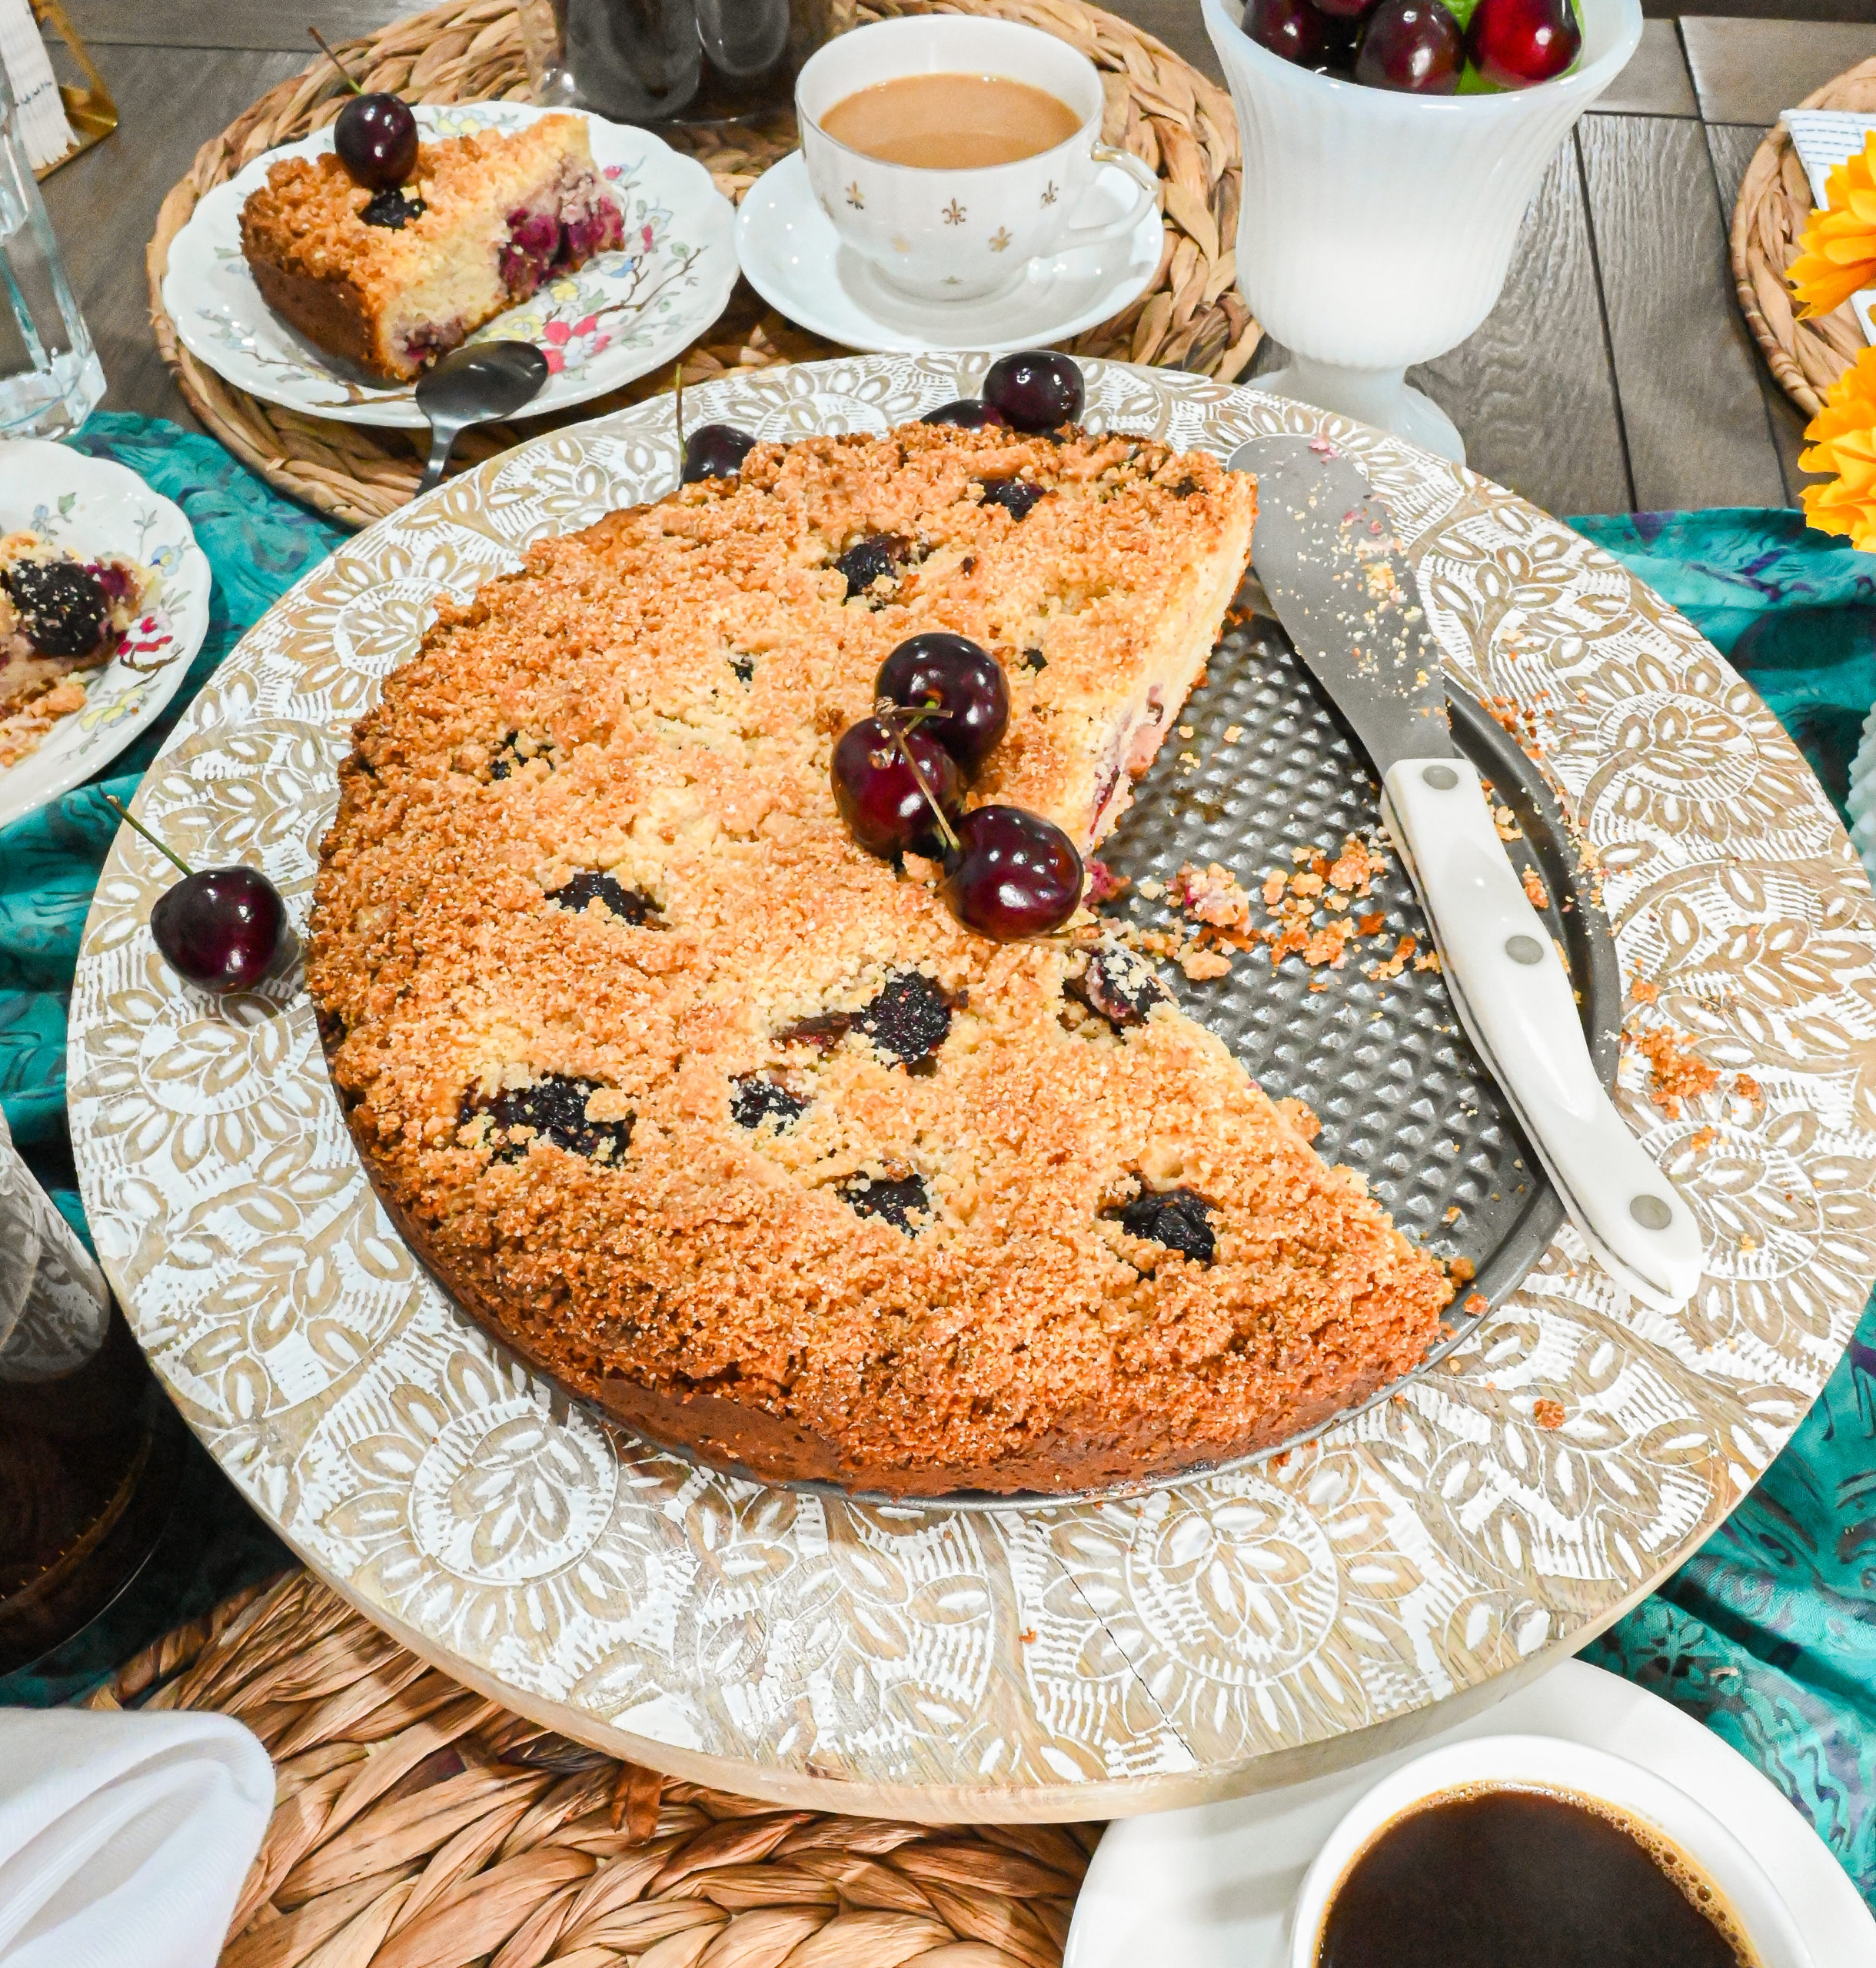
[(1535, 893), (1675, 1074), (1475, 1304), (1644, 991), (1547, 1414), (1027, 1636), (1748, 1089), (1702, 1138)]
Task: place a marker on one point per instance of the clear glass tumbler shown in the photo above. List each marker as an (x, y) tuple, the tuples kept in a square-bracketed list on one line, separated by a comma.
[(51, 379)]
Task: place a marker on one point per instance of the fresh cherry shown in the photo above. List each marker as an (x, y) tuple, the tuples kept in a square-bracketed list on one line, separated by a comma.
[(1517, 42), (1346, 10), (375, 135), (1414, 45), (960, 683), (1014, 875), (1036, 390), (880, 795), (221, 928), (715, 450), (968, 413), (376, 138), (1292, 28)]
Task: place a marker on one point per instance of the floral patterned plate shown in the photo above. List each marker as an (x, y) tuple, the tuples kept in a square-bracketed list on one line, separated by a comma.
[(91, 506), (1076, 1659), (621, 315)]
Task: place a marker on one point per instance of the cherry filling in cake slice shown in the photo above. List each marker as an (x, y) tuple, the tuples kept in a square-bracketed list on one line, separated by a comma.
[(390, 281)]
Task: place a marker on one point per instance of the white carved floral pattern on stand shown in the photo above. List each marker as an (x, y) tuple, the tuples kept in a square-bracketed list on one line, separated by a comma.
[(1024, 1653)]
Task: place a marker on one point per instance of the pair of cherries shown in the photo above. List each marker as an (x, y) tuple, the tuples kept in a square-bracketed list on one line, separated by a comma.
[(1033, 391), (941, 705), (1418, 46)]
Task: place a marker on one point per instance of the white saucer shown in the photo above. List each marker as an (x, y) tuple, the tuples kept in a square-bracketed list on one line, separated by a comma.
[(1209, 1888), (793, 258)]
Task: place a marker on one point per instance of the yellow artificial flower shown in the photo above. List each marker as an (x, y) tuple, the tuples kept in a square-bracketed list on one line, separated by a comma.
[(1837, 253), (1843, 440)]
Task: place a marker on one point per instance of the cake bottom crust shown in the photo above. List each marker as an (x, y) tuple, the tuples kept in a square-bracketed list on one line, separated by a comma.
[(1080, 1453), (332, 314)]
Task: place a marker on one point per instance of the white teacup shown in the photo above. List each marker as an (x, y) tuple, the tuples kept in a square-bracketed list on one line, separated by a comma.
[(1550, 1762), (958, 235)]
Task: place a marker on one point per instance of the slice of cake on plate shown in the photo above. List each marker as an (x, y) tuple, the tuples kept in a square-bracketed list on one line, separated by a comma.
[(389, 281), (735, 1129)]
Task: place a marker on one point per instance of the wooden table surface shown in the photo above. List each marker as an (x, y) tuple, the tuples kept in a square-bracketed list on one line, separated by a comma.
[(1615, 374)]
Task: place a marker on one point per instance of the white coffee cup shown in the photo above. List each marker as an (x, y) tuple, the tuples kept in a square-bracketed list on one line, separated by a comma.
[(942, 234), (1549, 1763)]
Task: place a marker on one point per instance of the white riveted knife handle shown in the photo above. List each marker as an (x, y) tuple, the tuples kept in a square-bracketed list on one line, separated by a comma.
[(1513, 995)]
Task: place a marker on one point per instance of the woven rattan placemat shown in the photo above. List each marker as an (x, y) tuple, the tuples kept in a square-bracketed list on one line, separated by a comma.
[(418, 1825), (1191, 317), (1774, 200)]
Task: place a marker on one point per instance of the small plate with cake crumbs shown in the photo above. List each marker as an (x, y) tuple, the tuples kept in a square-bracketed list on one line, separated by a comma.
[(603, 247), (104, 601)]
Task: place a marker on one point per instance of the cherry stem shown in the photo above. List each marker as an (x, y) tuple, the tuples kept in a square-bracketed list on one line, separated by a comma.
[(123, 814), (345, 77), (898, 720)]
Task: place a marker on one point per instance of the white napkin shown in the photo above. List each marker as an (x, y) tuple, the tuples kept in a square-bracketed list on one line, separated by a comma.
[(1825, 138), (42, 126), (125, 1839)]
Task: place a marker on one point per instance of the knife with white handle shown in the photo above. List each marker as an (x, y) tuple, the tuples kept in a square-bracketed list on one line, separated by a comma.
[(1325, 553)]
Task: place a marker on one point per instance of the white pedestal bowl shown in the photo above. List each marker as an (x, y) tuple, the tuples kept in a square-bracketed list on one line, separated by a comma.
[(1376, 227)]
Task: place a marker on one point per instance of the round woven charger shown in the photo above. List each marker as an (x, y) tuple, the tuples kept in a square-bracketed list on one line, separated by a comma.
[(1191, 317), (1775, 202), (417, 1825)]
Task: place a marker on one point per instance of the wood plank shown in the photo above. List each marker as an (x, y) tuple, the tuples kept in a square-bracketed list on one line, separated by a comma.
[(1732, 146), (1695, 424), (103, 205), (1655, 82), (1532, 391), (1750, 71), (278, 25)]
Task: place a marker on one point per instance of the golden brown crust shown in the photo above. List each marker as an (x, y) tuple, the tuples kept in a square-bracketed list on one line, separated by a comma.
[(359, 290), (655, 699)]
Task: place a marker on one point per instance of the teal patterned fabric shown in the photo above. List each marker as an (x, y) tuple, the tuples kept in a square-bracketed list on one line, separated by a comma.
[(1768, 1635)]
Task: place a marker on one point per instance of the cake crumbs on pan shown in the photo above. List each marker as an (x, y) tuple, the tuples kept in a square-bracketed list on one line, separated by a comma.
[(1213, 895), (1200, 965), (1675, 1074), (1535, 893)]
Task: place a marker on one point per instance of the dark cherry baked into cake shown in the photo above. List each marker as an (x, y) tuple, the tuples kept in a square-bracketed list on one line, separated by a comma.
[(389, 278), (730, 1121)]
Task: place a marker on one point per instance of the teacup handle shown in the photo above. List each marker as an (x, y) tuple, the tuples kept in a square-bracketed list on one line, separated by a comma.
[(1145, 193)]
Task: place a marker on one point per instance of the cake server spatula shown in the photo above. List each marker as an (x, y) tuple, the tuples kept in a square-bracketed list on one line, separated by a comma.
[(1325, 553)]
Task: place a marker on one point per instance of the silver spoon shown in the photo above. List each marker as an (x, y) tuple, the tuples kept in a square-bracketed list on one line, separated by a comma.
[(471, 384)]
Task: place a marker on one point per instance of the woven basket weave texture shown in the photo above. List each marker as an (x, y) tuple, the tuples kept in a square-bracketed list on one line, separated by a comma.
[(1192, 316), (1775, 202), (419, 1825)]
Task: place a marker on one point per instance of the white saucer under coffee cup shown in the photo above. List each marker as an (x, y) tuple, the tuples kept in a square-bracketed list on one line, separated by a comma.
[(942, 234), (1551, 1763)]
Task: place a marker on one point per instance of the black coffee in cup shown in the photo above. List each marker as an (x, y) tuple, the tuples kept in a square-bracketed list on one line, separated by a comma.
[(1493, 1876)]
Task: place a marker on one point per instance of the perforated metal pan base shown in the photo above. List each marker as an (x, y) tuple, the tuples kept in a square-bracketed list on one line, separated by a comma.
[(1384, 1063)]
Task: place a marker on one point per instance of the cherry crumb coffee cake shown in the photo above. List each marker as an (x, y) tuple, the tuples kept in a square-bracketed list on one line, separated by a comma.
[(734, 1127), (391, 277)]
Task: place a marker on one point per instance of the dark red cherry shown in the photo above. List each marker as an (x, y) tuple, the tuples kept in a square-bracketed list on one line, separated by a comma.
[(1414, 45), (961, 684), (879, 795), (1292, 28), (716, 450), (224, 928), (376, 139), (221, 927), (968, 413), (1036, 390), (1518, 42), (1014, 874), (1346, 10)]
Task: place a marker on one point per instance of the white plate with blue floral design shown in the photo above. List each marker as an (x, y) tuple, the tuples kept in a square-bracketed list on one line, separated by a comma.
[(794, 259), (621, 315), (90, 506)]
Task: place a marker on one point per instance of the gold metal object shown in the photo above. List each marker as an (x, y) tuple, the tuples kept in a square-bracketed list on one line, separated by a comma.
[(89, 109)]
